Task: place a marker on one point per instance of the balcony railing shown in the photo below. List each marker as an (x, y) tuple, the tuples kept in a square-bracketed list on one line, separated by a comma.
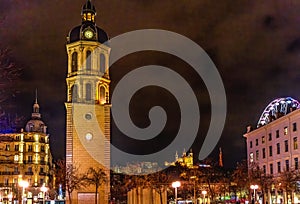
[(28, 173), (6, 161)]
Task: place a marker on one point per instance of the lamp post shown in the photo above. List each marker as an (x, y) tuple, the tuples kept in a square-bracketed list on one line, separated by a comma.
[(44, 189), (254, 187), (175, 185), (23, 184), (204, 193)]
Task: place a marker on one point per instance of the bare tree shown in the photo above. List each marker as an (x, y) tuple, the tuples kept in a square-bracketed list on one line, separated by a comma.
[(256, 175), (9, 73), (136, 182), (288, 181), (240, 178), (159, 181), (96, 177), (73, 180)]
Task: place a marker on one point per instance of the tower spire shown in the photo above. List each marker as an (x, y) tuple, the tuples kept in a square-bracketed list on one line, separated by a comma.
[(36, 107), (88, 12), (220, 157), (36, 96)]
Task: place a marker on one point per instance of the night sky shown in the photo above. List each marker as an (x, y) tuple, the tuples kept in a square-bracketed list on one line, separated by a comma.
[(254, 44)]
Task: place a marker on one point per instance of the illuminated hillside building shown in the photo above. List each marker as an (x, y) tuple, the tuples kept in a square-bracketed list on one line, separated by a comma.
[(26, 156), (185, 160), (87, 106), (273, 145)]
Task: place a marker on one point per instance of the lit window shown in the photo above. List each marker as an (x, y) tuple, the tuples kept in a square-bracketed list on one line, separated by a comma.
[(251, 157), (7, 147), (102, 95), (89, 16), (263, 139), (295, 143), (285, 130), (16, 158), (257, 155)]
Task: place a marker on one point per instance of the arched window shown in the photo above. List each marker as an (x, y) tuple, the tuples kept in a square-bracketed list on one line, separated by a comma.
[(74, 63), (74, 93), (102, 95), (88, 61), (88, 92), (102, 63)]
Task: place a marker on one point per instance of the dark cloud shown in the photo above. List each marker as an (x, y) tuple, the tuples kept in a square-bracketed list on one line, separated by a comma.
[(255, 45)]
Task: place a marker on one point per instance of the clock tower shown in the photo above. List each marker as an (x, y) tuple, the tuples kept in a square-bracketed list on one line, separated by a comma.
[(88, 103)]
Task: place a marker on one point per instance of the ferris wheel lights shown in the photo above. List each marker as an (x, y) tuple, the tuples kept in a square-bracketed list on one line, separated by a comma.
[(279, 105)]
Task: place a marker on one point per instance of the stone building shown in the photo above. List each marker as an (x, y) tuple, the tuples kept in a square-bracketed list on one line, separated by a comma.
[(273, 145), (87, 105), (26, 156)]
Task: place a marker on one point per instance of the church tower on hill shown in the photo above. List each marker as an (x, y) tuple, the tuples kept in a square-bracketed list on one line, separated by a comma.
[(88, 103)]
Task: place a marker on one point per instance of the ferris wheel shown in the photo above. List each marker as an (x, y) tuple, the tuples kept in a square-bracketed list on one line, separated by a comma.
[(276, 109)]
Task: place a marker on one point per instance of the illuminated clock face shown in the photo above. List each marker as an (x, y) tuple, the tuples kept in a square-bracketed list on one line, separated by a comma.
[(88, 34), (88, 136)]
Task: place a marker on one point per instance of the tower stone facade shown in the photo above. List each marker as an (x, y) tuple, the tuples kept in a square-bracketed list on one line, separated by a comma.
[(88, 103)]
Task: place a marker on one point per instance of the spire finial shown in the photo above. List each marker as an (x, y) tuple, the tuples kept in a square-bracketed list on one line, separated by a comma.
[(36, 107), (36, 96), (220, 157)]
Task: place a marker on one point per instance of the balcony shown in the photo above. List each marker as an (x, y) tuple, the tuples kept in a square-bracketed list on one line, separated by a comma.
[(42, 173), (6, 161), (28, 173), (7, 185), (29, 140), (6, 173), (28, 162)]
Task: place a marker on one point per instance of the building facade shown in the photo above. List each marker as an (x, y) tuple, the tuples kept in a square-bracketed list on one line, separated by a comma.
[(87, 106), (273, 145), (26, 156)]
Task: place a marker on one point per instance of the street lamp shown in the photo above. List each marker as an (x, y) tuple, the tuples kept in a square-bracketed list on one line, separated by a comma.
[(23, 184), (44, 189), (175, 185), (204, 193), (254, 187)]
